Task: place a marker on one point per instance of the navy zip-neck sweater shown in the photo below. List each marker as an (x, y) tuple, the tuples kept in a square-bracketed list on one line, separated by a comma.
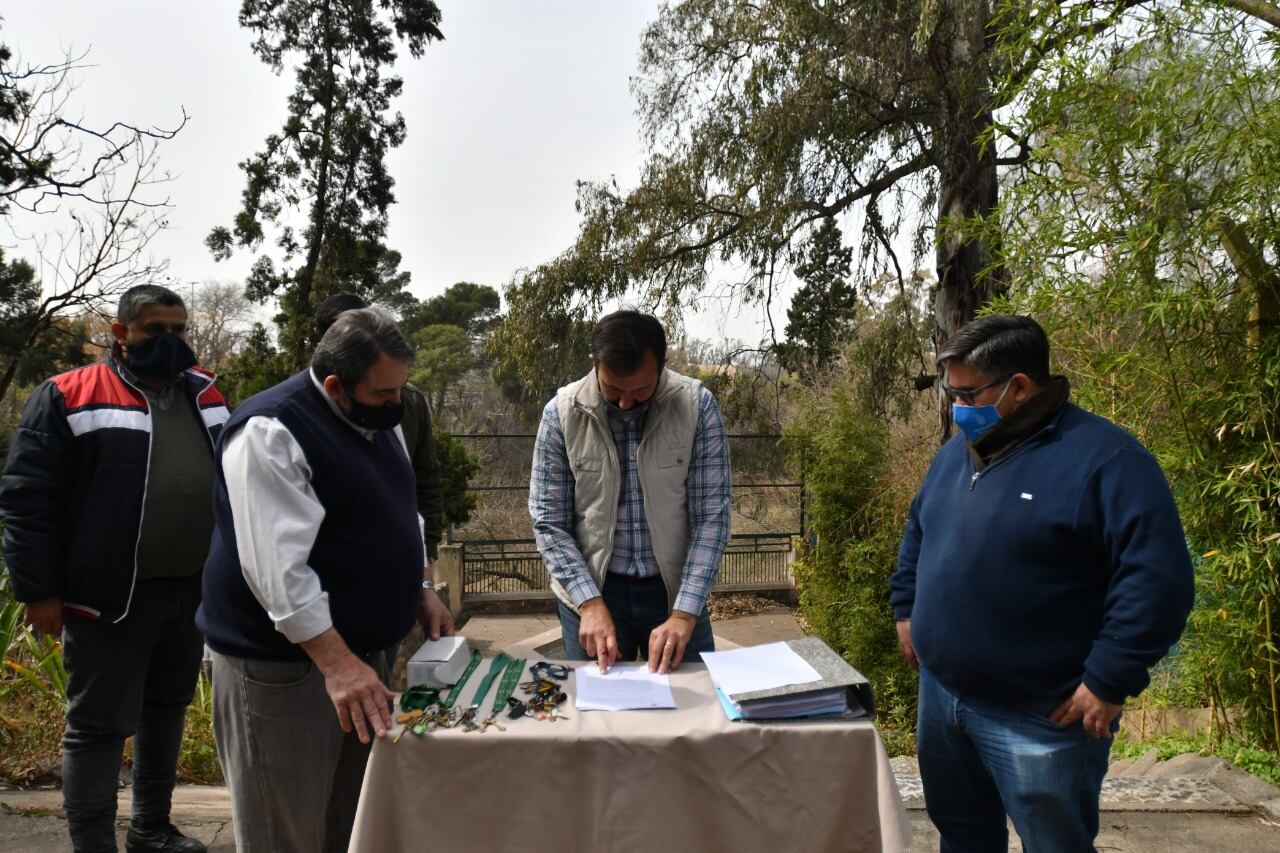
[(1063, 561)]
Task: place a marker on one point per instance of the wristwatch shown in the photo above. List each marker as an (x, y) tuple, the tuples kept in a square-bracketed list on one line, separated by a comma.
[(429, 585)]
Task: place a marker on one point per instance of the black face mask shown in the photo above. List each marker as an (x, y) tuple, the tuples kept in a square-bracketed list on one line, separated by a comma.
[(374, 417), (163, 355)]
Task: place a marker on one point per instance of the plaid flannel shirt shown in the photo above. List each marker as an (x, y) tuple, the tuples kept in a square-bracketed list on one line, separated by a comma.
[(708, 489)]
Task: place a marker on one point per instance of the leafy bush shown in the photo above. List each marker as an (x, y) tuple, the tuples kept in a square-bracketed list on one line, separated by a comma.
[(198, 761), (1146, 239), (860, 475)]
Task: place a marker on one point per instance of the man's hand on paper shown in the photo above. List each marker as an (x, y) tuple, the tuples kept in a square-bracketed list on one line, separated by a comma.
[(904, 643), (667, 642), (596, 633)]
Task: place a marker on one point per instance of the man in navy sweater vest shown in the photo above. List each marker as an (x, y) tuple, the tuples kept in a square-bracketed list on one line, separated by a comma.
[(317, 565), (1042, 573)]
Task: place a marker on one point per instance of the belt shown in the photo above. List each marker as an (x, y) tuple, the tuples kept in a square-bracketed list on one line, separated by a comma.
[(635, 578)]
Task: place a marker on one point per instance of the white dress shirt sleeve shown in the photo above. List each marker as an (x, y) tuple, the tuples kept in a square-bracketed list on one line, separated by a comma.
[(277, 517)]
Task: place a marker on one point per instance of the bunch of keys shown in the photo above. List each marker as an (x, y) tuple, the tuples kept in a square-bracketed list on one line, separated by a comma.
[(468, 719), (538, 710), (545, 696), (420, 721)]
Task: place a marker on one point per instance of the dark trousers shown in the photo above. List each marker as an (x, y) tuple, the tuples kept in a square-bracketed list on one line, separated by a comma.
[(637, 606), (135, 678)]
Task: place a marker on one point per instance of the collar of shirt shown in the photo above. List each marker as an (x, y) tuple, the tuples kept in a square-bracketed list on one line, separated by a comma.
[(337, 410)]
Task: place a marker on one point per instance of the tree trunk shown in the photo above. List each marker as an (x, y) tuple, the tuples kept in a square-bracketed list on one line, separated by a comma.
[(11, 370), (968, 187), (319, 209), (7, 379)]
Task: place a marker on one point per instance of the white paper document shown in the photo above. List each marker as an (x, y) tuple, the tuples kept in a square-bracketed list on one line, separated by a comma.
[(754, 668), (625, 687)]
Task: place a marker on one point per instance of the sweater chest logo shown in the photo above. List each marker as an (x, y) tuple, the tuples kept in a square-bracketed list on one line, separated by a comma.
[(1026, 496)]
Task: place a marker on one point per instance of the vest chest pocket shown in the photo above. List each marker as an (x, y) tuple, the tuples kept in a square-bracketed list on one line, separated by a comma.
[(586, 464), (672, 458)]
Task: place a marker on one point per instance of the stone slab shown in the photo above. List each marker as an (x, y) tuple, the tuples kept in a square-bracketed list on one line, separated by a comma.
[(492, 634), (1142, 765), (1263, 797), (1187, 764)]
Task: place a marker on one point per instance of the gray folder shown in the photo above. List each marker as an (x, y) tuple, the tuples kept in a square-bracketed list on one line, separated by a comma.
[(835, 672)]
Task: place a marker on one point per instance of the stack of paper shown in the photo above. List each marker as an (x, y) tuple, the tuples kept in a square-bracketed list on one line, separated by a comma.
[(781, 681), (625, 687)]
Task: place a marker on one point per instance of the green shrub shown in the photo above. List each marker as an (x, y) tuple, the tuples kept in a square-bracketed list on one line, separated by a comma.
[(859, 482), (198, 761)]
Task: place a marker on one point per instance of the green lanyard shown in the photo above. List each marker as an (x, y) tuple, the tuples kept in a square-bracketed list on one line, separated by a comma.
[(510, 678), (447, 702), (494, 668)]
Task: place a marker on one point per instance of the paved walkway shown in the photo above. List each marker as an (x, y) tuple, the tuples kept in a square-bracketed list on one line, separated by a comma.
[(1185, 805)]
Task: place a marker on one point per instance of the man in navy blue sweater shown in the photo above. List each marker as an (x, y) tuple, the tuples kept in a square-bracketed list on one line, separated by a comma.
[(1042, 573)]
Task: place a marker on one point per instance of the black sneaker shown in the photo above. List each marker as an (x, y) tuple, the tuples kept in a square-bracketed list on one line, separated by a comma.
[(164, 838)]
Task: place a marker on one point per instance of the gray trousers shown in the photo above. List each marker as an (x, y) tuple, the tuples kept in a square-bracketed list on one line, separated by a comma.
[(293, 774)]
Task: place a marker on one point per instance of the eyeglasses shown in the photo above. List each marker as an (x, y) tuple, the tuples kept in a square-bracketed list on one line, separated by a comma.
[(966, 395)]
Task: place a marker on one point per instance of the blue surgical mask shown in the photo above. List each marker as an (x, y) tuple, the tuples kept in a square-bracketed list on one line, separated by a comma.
[(977, 421)]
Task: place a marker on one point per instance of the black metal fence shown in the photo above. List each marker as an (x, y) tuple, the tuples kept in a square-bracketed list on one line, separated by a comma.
[(499, 554)]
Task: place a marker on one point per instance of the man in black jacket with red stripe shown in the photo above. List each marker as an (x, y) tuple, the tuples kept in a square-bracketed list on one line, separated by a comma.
[(107, 506)]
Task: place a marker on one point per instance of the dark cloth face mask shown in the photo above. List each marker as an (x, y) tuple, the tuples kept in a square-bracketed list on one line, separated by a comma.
[(164, 355), (374, 417)]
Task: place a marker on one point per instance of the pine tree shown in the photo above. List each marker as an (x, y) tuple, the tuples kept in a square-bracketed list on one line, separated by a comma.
[(328, 162)]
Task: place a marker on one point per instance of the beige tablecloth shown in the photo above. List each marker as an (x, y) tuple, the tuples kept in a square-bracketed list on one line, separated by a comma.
[(634, 782)]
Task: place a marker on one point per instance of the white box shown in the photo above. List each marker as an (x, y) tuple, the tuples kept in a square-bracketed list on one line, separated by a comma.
[(439, 663)]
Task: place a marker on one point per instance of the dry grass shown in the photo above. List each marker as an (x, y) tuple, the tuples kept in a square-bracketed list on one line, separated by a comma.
[(727, 605), (31, 725)]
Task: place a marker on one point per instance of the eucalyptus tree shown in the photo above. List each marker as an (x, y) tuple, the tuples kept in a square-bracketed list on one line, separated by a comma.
[(321, 182), (764, 118)]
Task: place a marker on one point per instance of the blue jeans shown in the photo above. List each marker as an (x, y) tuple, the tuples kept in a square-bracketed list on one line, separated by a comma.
[(980, 760), (637, 605)]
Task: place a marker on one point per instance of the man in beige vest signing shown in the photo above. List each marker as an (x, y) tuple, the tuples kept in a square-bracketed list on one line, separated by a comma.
[(630, 501)]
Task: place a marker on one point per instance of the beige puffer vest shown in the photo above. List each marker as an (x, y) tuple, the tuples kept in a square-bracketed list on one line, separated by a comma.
[(663, 462)]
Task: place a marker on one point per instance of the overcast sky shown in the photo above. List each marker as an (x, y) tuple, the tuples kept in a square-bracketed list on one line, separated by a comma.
[(519, 102)]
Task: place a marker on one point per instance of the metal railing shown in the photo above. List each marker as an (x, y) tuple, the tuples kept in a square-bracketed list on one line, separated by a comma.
[(501, 558)]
